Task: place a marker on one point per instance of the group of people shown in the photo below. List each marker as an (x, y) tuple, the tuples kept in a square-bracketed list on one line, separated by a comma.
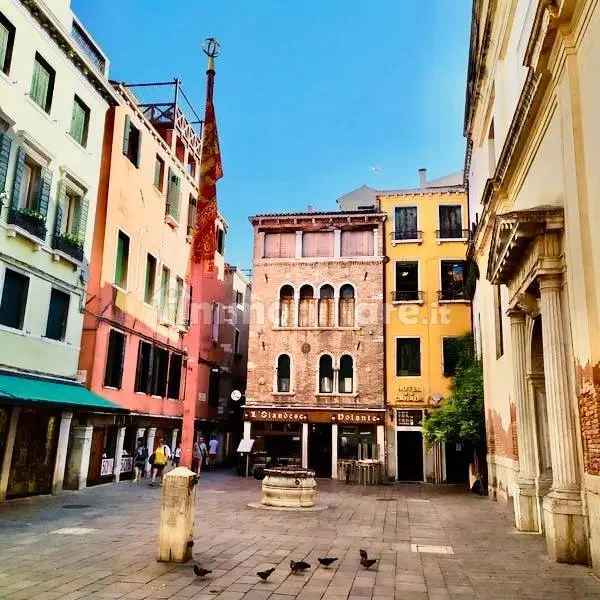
[(162, 455)]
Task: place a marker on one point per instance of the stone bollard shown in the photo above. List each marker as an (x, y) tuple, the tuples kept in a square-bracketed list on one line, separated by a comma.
[(177, 504)]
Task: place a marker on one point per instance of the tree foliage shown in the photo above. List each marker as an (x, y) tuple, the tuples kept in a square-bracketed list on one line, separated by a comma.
[(460, 417)]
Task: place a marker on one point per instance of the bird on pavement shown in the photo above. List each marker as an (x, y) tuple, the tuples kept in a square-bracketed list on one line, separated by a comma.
[(264, 575), (200, 572), (363, 554), (327, 561), (367, 563), (299, 566)]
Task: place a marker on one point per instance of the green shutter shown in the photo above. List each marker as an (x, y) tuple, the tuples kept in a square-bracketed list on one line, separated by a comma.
[(126, 131), (44, 192), (173, 196), (78, 122), (19, 168), (40, 84), (5, 145), (58, 219), (82, 217), (4, 37)]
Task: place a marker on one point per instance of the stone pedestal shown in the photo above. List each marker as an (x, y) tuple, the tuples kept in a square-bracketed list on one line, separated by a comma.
[(61, 452), (289, 488), (119, 454), (177, 504), (79, 458)]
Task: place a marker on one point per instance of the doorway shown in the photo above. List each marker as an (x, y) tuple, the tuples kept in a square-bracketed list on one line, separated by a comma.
[(409, 448), (458, 457), (319, 449)]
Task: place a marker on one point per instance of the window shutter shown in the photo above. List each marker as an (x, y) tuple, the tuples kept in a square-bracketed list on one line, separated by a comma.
[(19, 168), (60, 211), (44, 192), (58, 219), (82, 215), (126, 135), (5, 145)]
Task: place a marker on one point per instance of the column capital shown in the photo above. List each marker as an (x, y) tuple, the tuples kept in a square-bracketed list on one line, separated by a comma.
[(550, 281), (516, 315)]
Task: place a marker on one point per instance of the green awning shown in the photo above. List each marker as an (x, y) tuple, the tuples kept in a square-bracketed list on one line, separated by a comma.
[(24, 389)]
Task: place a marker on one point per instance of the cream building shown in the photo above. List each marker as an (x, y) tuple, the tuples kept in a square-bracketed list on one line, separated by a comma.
[(533, 146)]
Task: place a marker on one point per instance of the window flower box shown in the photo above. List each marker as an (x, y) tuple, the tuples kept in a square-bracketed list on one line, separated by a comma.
[(30, 220), (68, 244)]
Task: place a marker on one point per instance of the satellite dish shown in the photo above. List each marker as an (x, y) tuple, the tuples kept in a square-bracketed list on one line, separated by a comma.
[(236, 395)]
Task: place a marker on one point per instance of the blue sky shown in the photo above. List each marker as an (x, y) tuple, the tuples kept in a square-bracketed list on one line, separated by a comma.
[(313, 97)]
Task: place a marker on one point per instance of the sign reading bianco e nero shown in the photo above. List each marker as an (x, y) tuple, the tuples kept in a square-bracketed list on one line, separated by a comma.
[(349, 417)]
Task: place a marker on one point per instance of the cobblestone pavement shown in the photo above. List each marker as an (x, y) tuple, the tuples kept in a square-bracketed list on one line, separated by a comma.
[(114, 553)]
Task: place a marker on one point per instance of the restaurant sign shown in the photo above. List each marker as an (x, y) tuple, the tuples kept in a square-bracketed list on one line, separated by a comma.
[(343, 417)]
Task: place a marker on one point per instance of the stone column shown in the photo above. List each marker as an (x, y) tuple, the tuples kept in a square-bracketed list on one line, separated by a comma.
[(139, 434), (527, 517), (119, 454), (565, 526), (150, 445), (381, 443), (79, 458), (247, 429), (61, 452), (298, 244), (174, 440), (305, 445), (334, 450), (337, 242), (8, 451)]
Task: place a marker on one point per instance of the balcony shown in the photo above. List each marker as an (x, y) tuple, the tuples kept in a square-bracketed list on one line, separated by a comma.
[(29, 220), (406, 236), (452, 234), (409, 297), (68, 245), (452, 295)]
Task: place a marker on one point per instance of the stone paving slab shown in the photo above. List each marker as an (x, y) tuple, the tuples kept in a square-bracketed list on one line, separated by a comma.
[(107, 550)]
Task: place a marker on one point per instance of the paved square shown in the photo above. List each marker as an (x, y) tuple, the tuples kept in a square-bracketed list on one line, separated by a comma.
[(113, 554)]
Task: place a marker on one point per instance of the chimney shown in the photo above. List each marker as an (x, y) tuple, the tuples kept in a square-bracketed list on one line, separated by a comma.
[(422, 177)]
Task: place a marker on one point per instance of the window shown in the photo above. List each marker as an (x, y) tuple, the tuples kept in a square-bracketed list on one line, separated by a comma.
[(357, 243), (7, 41), (143, 374), (408, 357), (346, 375), (178, 300), (58, 312), (499, 327), (405, 223), (286, 306), (216, 314), (239, 298), (306, 308), (42, 83), (280, 245), (191, 167), (317, 243), (450, 222), (453, 280), (236, 341), (31, 181), (491, 150), (160, 368), (159, 173), (450, 348), (14, 299), (150, 283), (325, 374), (283, 373), (346, 306), (191, 216), (73, 204), (115, 355), (326, 307), (407, 281), (132, 139), (165, 278), (220, 241), (173, 193), (122, 263), (214, 383), (80, 121), (174, 383)]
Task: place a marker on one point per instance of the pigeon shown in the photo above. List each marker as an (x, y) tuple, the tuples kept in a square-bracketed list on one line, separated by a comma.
[(200, 572), (264, 575), (367, 563), (328, 560), (363, 555), (298, 567)]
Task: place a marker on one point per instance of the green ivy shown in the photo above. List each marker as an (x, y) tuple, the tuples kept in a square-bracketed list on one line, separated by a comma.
[(460, 417)]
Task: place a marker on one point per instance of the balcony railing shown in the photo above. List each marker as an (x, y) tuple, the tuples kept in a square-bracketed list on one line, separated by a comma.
[(31, 223), (407, 296), (68, 246), (452, 234), (452, 294), (407, 235)]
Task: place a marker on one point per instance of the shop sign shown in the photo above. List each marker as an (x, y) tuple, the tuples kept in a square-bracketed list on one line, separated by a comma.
[(286, 416), (126, 464), (354, 417), (409, 394), (106, 467), (409, 417), (343, 417)]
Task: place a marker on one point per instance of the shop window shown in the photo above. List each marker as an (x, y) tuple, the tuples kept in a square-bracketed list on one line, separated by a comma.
[(14, 299), (159, 173), (346, 375), (7, 41), (326, 306), (58, 312), (405, 223), (160, 367), (143, 374), (174, 383), (453, 280), (407, 281), (450, 222), (42, 83), (80, 121), (280, 245), (408, 357), (451, 348), (325, 374), (283, 373), (132, 139), (115, 356), (347, 306), (357, 442), (122, 263), (286, 306), (306, 307)]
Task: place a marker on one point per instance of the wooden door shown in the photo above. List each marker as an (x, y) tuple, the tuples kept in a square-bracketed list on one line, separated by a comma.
[(96, 451)]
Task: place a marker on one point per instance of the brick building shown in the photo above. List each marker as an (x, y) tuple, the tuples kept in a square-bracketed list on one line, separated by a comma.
[(315, 389)]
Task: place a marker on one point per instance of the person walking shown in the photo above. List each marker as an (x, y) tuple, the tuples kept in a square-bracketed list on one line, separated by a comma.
[(199, 455), (160, 458), (176, 456), (139, 460), (213, 448)]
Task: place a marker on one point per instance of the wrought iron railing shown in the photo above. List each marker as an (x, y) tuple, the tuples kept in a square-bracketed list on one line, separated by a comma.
[(452, 234), (406, 235), (452, 294), (407, 296)]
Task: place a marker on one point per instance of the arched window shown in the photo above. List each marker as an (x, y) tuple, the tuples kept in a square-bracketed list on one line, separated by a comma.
[(286, 306), (346, 375), (325, 374), (306, 309), (347, 306), (283, 373), (326, 307)]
